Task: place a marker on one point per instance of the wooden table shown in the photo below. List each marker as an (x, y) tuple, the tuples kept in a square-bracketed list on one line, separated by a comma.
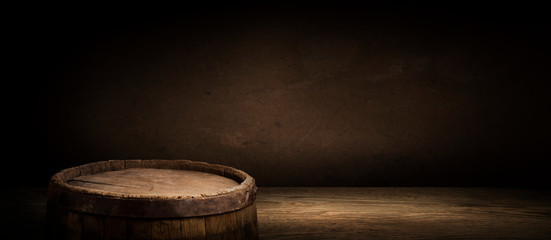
[(403, 213), (358, 213)]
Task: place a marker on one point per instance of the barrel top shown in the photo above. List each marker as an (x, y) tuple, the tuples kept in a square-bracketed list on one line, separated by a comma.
[(152, 188), (155, 182)]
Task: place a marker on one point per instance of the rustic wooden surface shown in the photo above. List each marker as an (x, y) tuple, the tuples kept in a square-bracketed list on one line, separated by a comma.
[(151, 189), (151, 199), (235, 225), (155, 182), (129, 169), (355, 213), (403, 213)]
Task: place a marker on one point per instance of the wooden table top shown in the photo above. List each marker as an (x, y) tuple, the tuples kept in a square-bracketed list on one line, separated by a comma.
[(403, 213)]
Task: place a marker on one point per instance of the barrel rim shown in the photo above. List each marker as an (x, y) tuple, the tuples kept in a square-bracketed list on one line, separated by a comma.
[(95, 201)]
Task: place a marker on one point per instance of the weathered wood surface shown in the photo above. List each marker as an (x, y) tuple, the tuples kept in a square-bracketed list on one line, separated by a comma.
[(236, 225), (152, 188), (131, 169), (403, 213), (151, 199), (155, 182), (351, 213)]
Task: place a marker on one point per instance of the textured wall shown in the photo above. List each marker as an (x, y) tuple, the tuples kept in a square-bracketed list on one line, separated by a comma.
[(304, 97)]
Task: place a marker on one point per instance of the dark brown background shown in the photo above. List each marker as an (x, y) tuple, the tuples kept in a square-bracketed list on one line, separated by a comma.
[(309, 95)]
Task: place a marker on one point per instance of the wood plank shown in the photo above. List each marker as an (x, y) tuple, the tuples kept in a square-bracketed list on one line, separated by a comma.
[(246, 222), (403, 213), (174, 228), (233, 230), (155, 182), (159, 230), (92, 227), (139, 228), (166, 229), (74, 226), (214, 227), (115, 228), (251, 227), (193, 228), (222, 226)]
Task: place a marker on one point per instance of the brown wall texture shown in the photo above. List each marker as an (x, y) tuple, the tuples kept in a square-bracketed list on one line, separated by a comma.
[(297, 96)]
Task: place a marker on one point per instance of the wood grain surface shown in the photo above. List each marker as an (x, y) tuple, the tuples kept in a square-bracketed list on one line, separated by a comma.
[(153, 188), (151, 199), (403, 213), (155, 182), (354, 213)]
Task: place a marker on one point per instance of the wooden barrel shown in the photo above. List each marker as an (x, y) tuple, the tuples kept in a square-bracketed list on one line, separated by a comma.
[(151, 199)]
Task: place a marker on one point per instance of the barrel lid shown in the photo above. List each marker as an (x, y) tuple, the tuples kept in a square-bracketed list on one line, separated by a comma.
[(152, 188)]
